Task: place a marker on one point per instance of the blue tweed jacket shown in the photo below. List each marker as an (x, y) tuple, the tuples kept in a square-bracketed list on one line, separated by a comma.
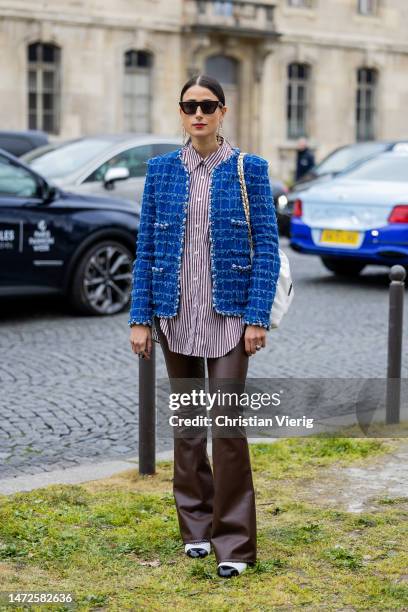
[(240, 286)]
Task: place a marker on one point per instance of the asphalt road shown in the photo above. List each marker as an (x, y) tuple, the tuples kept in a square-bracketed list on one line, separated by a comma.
[(69, 384)]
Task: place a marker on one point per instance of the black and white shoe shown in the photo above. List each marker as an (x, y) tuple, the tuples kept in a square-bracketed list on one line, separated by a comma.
[(228, 569), (197, 550)]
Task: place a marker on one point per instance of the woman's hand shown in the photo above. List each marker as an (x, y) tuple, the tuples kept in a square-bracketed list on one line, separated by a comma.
[(255, 335), (141, 340)]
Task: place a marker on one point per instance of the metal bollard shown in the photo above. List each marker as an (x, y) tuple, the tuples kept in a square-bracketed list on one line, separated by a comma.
[(396, 309), (147, 414)]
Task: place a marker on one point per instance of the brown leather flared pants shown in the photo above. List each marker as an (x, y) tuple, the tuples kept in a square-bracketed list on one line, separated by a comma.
[(217, 506)]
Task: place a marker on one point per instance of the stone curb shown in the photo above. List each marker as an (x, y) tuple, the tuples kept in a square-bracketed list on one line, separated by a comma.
[(87, 471)]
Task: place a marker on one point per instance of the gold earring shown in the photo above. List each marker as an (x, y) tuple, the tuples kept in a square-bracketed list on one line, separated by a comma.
[(219, 136), (185, 140)]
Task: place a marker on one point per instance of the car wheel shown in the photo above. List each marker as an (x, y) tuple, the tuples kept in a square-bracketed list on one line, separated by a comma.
[(102, 280), (342, 267)]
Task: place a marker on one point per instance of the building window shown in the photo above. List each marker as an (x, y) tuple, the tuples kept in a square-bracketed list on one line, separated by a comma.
[(137, 91), (269, 12), (367, 7), (300, 3), (223, 7), (366, 103), (297, 100), (44, 62)]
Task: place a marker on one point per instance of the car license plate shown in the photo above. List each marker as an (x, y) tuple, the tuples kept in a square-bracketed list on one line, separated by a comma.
[(332, 236)]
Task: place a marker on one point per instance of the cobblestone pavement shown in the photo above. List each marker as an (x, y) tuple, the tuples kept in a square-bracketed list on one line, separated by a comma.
[(69, 384)]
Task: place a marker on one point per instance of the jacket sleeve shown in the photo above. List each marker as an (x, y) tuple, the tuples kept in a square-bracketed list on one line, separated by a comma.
[(266, 261), (141, 309)]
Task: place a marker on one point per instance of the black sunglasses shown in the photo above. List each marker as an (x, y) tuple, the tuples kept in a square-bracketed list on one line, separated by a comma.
[(207, 106)]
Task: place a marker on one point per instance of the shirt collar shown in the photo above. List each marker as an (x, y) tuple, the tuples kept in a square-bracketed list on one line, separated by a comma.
[(192, 158)]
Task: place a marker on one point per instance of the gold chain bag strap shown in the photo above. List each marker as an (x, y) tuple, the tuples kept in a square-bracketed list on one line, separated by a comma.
[(244, 195), (284, 288)]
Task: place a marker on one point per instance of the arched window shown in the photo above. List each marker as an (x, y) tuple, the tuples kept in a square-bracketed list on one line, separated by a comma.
[(44, 94), (137, 91), (366, 103), (297, 99), (223, 68), (226, 70)]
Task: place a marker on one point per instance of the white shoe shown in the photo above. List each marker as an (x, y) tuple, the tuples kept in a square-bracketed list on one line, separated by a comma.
[(197, 550), (228, 569)]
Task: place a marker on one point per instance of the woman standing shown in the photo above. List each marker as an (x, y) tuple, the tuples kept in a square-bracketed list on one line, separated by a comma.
[(197, 292)]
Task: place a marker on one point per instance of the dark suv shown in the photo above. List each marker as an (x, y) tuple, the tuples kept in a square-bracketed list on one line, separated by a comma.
[(52, 241)]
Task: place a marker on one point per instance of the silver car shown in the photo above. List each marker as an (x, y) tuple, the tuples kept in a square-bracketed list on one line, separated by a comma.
[(104, 165)]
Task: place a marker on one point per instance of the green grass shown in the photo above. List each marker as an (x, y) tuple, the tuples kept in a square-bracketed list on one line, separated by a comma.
[(115, 543)]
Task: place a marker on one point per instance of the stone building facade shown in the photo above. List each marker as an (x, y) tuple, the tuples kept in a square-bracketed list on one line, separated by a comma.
[(331, 70)]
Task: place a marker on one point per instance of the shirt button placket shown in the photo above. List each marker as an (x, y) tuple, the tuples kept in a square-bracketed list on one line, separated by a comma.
[(194, 304), (196, 265), (193, 262), (197, 287)]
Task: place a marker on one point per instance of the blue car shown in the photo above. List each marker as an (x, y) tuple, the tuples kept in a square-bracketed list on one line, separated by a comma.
[(358, 218), (54, 241)]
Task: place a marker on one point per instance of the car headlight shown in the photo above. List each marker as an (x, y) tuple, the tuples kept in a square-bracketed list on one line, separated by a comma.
[(282, 202)]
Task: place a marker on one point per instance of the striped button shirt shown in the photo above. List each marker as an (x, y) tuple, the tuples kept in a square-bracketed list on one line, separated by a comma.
[(198, 329)]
